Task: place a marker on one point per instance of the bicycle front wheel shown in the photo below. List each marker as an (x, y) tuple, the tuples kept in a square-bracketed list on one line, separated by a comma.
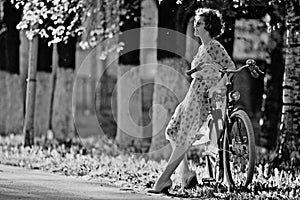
[(239, 150)]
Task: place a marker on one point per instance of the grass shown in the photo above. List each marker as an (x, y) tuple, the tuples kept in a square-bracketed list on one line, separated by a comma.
[(102, 161)]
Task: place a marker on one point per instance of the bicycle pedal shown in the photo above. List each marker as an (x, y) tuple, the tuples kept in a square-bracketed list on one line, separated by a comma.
[(208, 180)]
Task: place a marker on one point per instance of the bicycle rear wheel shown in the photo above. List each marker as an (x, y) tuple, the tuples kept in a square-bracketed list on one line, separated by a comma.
[(239, 150)]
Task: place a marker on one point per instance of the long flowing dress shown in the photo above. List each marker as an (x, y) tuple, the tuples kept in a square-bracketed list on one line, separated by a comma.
[(193, 111)]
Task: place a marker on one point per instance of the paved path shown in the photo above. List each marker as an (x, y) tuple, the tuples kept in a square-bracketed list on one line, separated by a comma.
[(20, 183)]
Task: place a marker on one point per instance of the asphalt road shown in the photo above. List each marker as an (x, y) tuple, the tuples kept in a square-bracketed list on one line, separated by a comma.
[(20, 183)]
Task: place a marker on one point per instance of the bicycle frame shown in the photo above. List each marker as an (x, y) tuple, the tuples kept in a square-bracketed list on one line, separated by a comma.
[(229, 110), (230, 105)]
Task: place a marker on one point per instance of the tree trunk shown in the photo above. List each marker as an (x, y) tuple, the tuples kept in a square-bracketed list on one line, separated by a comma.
[(24, 47), (130, 132), (129, 120), (106, 94), (287, 153), (106, 103), (53, 81), (3, 101), (148, 60), (43, 103), (62, 118), (30, 93)]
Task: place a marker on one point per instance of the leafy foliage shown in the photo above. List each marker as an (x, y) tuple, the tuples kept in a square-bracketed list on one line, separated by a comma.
[(53, 19), (57, 20), (101, 21)]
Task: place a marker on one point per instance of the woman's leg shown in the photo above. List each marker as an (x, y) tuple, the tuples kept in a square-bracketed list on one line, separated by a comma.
[(184, 166), (188, 176), (176, 157)]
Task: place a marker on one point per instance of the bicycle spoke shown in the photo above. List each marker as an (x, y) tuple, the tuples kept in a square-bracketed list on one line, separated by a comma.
[(239, 152)]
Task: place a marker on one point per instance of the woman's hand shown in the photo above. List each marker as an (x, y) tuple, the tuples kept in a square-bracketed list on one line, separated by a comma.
[(219, 89), (217, 92), (191, 71)]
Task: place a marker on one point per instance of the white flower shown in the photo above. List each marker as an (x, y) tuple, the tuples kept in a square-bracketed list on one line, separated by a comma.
[(55, 2), (43, 33), (103, 56), (54, 41), (31, 16), (84, 45), (22, 25), (93, 41), (30, 34), (179, 2), (110, 35), (58, 31)]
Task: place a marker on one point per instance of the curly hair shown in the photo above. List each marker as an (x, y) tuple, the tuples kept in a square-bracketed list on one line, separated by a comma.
[(213, 21)]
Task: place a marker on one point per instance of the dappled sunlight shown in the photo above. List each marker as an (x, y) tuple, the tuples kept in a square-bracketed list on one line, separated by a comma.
[(138, 173)]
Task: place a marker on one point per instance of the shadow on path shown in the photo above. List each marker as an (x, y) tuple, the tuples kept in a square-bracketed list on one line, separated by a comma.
[(21, 183)]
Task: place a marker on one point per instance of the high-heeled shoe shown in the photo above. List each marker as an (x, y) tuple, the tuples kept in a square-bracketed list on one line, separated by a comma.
[(190, 182), (164, 189)]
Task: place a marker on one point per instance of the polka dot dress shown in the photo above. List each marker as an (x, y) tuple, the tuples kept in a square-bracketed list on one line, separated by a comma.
[(193, 111)]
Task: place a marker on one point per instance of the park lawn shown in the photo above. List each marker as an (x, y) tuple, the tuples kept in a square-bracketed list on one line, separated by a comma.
[(101, 160)]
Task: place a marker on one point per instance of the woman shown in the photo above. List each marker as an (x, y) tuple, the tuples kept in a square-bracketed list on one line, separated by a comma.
[(192, 112)]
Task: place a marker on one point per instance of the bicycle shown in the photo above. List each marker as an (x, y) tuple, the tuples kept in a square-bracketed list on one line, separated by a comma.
[(235, 141)]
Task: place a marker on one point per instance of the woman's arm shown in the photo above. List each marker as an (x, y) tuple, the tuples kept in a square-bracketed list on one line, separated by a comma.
[(197, 68)]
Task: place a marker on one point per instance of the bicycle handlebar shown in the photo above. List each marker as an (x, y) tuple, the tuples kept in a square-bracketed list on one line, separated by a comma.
[(250, 64)]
